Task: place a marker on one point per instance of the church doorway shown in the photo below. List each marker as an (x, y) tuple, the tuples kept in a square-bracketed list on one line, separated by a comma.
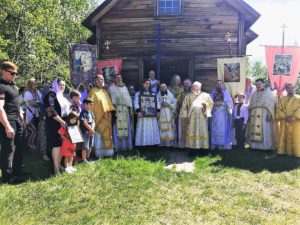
[(168, 67)]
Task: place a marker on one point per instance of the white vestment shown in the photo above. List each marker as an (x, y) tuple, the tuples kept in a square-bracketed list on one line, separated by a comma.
[(147, 132), (167, 119)]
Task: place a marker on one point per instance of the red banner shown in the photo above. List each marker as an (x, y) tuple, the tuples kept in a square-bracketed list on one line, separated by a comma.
[(109, 68), (283, 65)]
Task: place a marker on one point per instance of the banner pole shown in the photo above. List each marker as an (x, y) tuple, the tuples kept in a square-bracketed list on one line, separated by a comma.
[(282, 51)]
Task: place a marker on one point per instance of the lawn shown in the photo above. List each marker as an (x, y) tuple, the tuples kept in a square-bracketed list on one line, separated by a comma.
[(236, 187)]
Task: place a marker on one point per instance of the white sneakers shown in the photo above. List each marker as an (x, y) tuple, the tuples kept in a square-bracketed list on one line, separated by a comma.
[(70, 169)]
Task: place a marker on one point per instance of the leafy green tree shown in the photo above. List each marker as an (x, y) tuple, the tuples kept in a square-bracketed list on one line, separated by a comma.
[(258, 70), (35, 35), (298, 85)]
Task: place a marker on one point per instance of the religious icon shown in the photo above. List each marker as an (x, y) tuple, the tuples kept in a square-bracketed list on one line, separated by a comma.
[(232, 72), (148, 105), (109, 69), (83, 63), (75, 134), (109, 73), (282, 65)]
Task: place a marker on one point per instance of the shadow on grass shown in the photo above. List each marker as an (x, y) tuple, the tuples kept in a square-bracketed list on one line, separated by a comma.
[(40, 170), (152, 154), (252, 160), (37, 168), (257, 161)]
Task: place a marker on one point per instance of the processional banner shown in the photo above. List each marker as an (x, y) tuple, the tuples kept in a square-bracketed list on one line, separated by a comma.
[(232, 72), (109, 68), (83, 63), (283, 65)]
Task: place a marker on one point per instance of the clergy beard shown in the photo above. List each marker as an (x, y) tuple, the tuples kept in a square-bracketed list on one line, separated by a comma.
[(163, 93), (120, 84), (219, 89)]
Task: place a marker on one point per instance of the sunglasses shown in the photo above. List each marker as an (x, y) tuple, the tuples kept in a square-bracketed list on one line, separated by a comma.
[(12, 73)]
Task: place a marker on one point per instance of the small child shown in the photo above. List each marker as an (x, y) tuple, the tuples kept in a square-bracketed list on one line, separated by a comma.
[(87, 126), (68, 148), (75, 97), (240, 117)]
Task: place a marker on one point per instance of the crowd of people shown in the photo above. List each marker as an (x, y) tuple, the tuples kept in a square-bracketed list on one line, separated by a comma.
[(117, 117)]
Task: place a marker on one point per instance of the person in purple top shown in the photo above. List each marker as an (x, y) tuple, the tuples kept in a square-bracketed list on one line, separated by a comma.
[(220, 123), (249, 90)]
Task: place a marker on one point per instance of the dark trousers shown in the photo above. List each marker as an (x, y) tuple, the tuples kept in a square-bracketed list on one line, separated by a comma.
[(240, 131), (11, 154)]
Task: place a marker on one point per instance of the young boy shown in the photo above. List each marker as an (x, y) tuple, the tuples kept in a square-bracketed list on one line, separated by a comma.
[(240, 117), (76, 107), (87, 125), (75, 97)]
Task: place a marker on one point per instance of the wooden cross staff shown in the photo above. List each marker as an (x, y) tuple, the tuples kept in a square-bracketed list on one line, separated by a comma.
[(282, 51)]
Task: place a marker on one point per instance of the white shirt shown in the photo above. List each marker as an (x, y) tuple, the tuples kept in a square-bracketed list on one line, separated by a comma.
[(243, 112)]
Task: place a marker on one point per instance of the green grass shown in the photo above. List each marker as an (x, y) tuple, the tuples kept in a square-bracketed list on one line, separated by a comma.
[(237, 187)]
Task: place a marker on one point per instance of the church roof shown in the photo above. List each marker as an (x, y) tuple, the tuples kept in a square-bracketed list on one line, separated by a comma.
[(250, 14)]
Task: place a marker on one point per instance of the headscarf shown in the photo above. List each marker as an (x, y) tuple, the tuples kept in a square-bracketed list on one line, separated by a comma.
[(55, 85), (64, 103)]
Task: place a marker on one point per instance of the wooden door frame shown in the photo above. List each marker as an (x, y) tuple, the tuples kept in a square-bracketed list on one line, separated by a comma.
[(191, 66)]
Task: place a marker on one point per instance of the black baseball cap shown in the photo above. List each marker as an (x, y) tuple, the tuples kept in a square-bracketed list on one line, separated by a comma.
[(87, 101)]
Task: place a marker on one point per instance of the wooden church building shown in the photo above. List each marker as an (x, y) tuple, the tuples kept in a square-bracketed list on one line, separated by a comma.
[(184, 36)]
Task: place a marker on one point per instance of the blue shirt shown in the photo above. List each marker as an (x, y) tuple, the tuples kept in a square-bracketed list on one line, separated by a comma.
[(89, 117)]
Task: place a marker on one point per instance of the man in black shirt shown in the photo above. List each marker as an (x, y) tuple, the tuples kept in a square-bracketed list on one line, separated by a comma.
[(11, 125)]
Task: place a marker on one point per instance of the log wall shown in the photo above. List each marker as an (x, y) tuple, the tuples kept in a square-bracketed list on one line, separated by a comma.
[(199, 33)]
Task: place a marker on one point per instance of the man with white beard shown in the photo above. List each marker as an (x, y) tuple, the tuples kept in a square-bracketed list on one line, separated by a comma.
[(196, 109)]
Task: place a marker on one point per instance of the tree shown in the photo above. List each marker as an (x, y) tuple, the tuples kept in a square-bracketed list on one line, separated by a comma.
[(258, 70), (35, 35), (298, 85)]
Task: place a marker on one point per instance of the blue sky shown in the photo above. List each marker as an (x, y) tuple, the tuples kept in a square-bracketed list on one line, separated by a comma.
[(273, 14)]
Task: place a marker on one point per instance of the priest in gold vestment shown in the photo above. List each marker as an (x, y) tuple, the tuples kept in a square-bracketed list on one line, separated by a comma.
[(288, 116), (196, 109), (102, 109), (261, 127), (175, 86), (182, 122)]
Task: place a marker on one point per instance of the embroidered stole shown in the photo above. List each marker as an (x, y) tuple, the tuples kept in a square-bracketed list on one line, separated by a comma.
[(122, 120), (256, 131), (165, 120)]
